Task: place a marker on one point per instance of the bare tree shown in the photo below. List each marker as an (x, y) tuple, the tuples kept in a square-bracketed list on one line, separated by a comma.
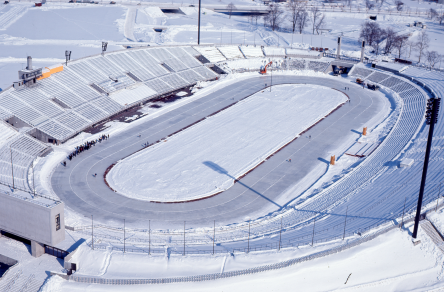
[(377, 37), (369, 4), (400, 44), (432, 13), (370, 32), (440, 18), (390, 38), (256, 17), (302, 21), (230, 8), (293, 8), (316, 16), (432, 58), (410, 44), (320, 23), (275, 16), (422, 44), (399, 5)]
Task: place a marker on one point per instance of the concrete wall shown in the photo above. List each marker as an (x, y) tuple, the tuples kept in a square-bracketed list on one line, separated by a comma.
[(31, 221), (7, 261)]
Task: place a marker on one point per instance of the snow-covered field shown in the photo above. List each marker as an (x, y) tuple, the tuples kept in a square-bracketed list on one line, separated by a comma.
[(206, 158)]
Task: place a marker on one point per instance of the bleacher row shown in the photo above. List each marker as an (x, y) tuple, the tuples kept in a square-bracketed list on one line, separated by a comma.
[(19, 150), (224, 53), (91, 89)]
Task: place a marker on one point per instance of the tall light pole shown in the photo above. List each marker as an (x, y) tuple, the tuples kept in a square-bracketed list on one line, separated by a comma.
[(431, 119), (104, 46), (198, 26), (67, 56)]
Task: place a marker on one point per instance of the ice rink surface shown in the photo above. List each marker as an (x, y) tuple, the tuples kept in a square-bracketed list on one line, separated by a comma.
[(206, 159)]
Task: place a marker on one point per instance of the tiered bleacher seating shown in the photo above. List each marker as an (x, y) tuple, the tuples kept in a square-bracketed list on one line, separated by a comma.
[(84, 70), (205, 72), (130, 65), (275, 52), (231, 52), (181, 54), (148, 62), (296, 64), (159, 86), (252, 51), (318, 66), (190, 76), (164, 57), (377, 77), (361, 72), (63, 94), (211, 54), (76, 84), (174, 81), (91, 112), (22, 150), (119, 82)]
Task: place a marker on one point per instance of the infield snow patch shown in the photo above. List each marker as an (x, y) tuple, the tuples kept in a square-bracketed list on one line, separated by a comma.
[(206, 158)]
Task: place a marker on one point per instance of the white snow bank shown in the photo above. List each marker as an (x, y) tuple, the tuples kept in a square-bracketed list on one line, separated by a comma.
[(252, 51), (388, 263), (154, 11), (206, 158)]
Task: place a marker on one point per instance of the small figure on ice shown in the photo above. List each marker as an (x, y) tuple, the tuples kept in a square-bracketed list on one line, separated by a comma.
[(139, 135)]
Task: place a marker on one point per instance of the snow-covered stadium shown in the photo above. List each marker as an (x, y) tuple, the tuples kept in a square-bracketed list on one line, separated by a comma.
[(211, 160)]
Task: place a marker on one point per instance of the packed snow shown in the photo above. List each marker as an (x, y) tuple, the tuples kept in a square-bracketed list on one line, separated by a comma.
[(206, 158)]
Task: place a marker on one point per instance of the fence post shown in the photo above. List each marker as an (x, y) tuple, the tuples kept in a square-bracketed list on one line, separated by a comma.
[(214, 234), (123, 235), (149, 237), (248, 249), (312, 237), (402, 220), (345, 223), (12, 168), (280, 235), (184, 237)]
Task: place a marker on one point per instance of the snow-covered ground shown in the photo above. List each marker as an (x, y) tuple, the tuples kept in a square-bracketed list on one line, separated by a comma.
[(206, 158), (391, 262)]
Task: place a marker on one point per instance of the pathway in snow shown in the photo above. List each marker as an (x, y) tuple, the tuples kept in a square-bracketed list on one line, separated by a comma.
[(206, 158), (129, 23)]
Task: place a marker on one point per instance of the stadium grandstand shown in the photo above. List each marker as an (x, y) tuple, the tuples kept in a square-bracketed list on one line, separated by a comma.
[(92, 89)]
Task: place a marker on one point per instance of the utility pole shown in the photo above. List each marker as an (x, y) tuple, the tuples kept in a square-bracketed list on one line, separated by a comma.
[(431, 119), (198, 26), (12, 168)]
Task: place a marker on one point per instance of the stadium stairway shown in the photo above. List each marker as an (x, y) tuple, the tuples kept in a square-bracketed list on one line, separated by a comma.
[(431, 231)]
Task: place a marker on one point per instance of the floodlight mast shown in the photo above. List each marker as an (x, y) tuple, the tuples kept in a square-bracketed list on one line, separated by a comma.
[(431, 119), (67, 56), (198, 26), (104, 46)]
